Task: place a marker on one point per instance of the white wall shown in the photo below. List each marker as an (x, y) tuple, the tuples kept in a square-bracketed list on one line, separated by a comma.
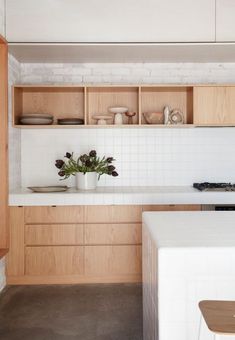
[(2, 17), (144, 156)]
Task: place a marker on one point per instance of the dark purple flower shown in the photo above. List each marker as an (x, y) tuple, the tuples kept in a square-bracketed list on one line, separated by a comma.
[(110, 159), (114, 174), (92, 153), (88, 163), (111, 168), (68, 155), (84, 158), (59, 163), (61, 173)]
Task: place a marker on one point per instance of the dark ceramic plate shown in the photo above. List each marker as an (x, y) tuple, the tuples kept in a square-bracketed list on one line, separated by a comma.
[(71, 121)]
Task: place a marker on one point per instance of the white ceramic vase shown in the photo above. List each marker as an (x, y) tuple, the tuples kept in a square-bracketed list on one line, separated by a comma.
[(87, 181)]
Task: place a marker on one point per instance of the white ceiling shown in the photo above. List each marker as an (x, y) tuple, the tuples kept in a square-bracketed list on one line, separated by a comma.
[(131, 53)]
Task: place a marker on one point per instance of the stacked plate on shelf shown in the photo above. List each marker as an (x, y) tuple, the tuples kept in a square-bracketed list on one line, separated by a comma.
[(36, 119), (70, 121)]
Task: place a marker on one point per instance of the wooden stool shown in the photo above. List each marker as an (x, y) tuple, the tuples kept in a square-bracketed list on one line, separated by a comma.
[(219, 317)]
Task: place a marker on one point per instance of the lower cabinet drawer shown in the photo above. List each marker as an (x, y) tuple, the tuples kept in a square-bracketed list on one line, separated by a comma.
[(68, 260), (113, 214), (112, 260), (108, 234), (54, 234), (57, 214)]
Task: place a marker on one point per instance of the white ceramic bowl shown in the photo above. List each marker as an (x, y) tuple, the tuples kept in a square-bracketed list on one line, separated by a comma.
[(154, 117)]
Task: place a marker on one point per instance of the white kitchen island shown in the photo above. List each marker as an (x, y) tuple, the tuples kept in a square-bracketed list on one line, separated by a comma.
[(187, 257)]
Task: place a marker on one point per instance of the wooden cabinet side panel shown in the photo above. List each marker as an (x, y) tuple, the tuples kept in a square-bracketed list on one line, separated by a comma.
[(112, 260), (4, 233), (15, 257), (54, 234), (57, 260), (109, 234), (57, 214)]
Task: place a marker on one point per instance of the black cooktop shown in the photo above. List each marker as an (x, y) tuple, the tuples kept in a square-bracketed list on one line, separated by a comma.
[(206, 186)]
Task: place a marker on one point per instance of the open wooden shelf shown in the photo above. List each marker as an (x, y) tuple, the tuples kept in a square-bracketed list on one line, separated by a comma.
[(154, 99), (80, 101), (62, 102)]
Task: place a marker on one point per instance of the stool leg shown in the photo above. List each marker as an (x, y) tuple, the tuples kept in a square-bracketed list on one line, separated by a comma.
[(200, 326)]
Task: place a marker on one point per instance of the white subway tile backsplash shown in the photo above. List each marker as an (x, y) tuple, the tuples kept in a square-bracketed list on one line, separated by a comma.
[(155, 159)]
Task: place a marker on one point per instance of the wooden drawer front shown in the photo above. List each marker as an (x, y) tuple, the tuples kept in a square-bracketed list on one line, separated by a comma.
[(109, 234), (54, 260), (177, 207), (112, 260), (54, 234), (113, 214), (58, 214)]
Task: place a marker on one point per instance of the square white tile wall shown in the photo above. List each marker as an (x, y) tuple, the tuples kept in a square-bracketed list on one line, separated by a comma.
[(144, 156)]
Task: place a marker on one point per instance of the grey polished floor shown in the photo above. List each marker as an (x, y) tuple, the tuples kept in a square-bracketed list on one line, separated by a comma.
[(86, 312)]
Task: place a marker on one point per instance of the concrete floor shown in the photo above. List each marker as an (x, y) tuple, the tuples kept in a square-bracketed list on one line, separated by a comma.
[(86, 312)]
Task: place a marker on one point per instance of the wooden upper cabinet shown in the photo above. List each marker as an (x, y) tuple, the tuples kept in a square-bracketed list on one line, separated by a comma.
[(225, 24), (110, 21), (214, 105)]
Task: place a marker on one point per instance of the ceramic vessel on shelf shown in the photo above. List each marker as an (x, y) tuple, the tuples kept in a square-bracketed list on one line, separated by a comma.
[(154, 117), (118, 111), (87, 181), (166, 113), (102, 119), (176, 117), (130, 116)]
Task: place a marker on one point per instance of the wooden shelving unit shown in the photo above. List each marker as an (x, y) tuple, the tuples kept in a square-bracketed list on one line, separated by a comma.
[(202, 105), (71, 101)]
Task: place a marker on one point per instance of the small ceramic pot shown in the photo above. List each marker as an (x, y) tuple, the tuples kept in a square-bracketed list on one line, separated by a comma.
[(87, 181)]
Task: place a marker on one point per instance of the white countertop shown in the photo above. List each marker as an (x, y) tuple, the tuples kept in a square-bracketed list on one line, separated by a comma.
[(191, 229), (122, 196)]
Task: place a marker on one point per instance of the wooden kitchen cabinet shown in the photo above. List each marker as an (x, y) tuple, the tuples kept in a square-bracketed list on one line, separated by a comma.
[(54, 234), (55, 214), (53, 261), (116, 260), (77, 244), (118, 233), (113, 213), (110, 21), (225, 25), (214, 105)]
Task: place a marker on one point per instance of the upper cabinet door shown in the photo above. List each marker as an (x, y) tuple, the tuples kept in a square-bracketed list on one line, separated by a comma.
[(110, 20), (225, 23), (214, 105)]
